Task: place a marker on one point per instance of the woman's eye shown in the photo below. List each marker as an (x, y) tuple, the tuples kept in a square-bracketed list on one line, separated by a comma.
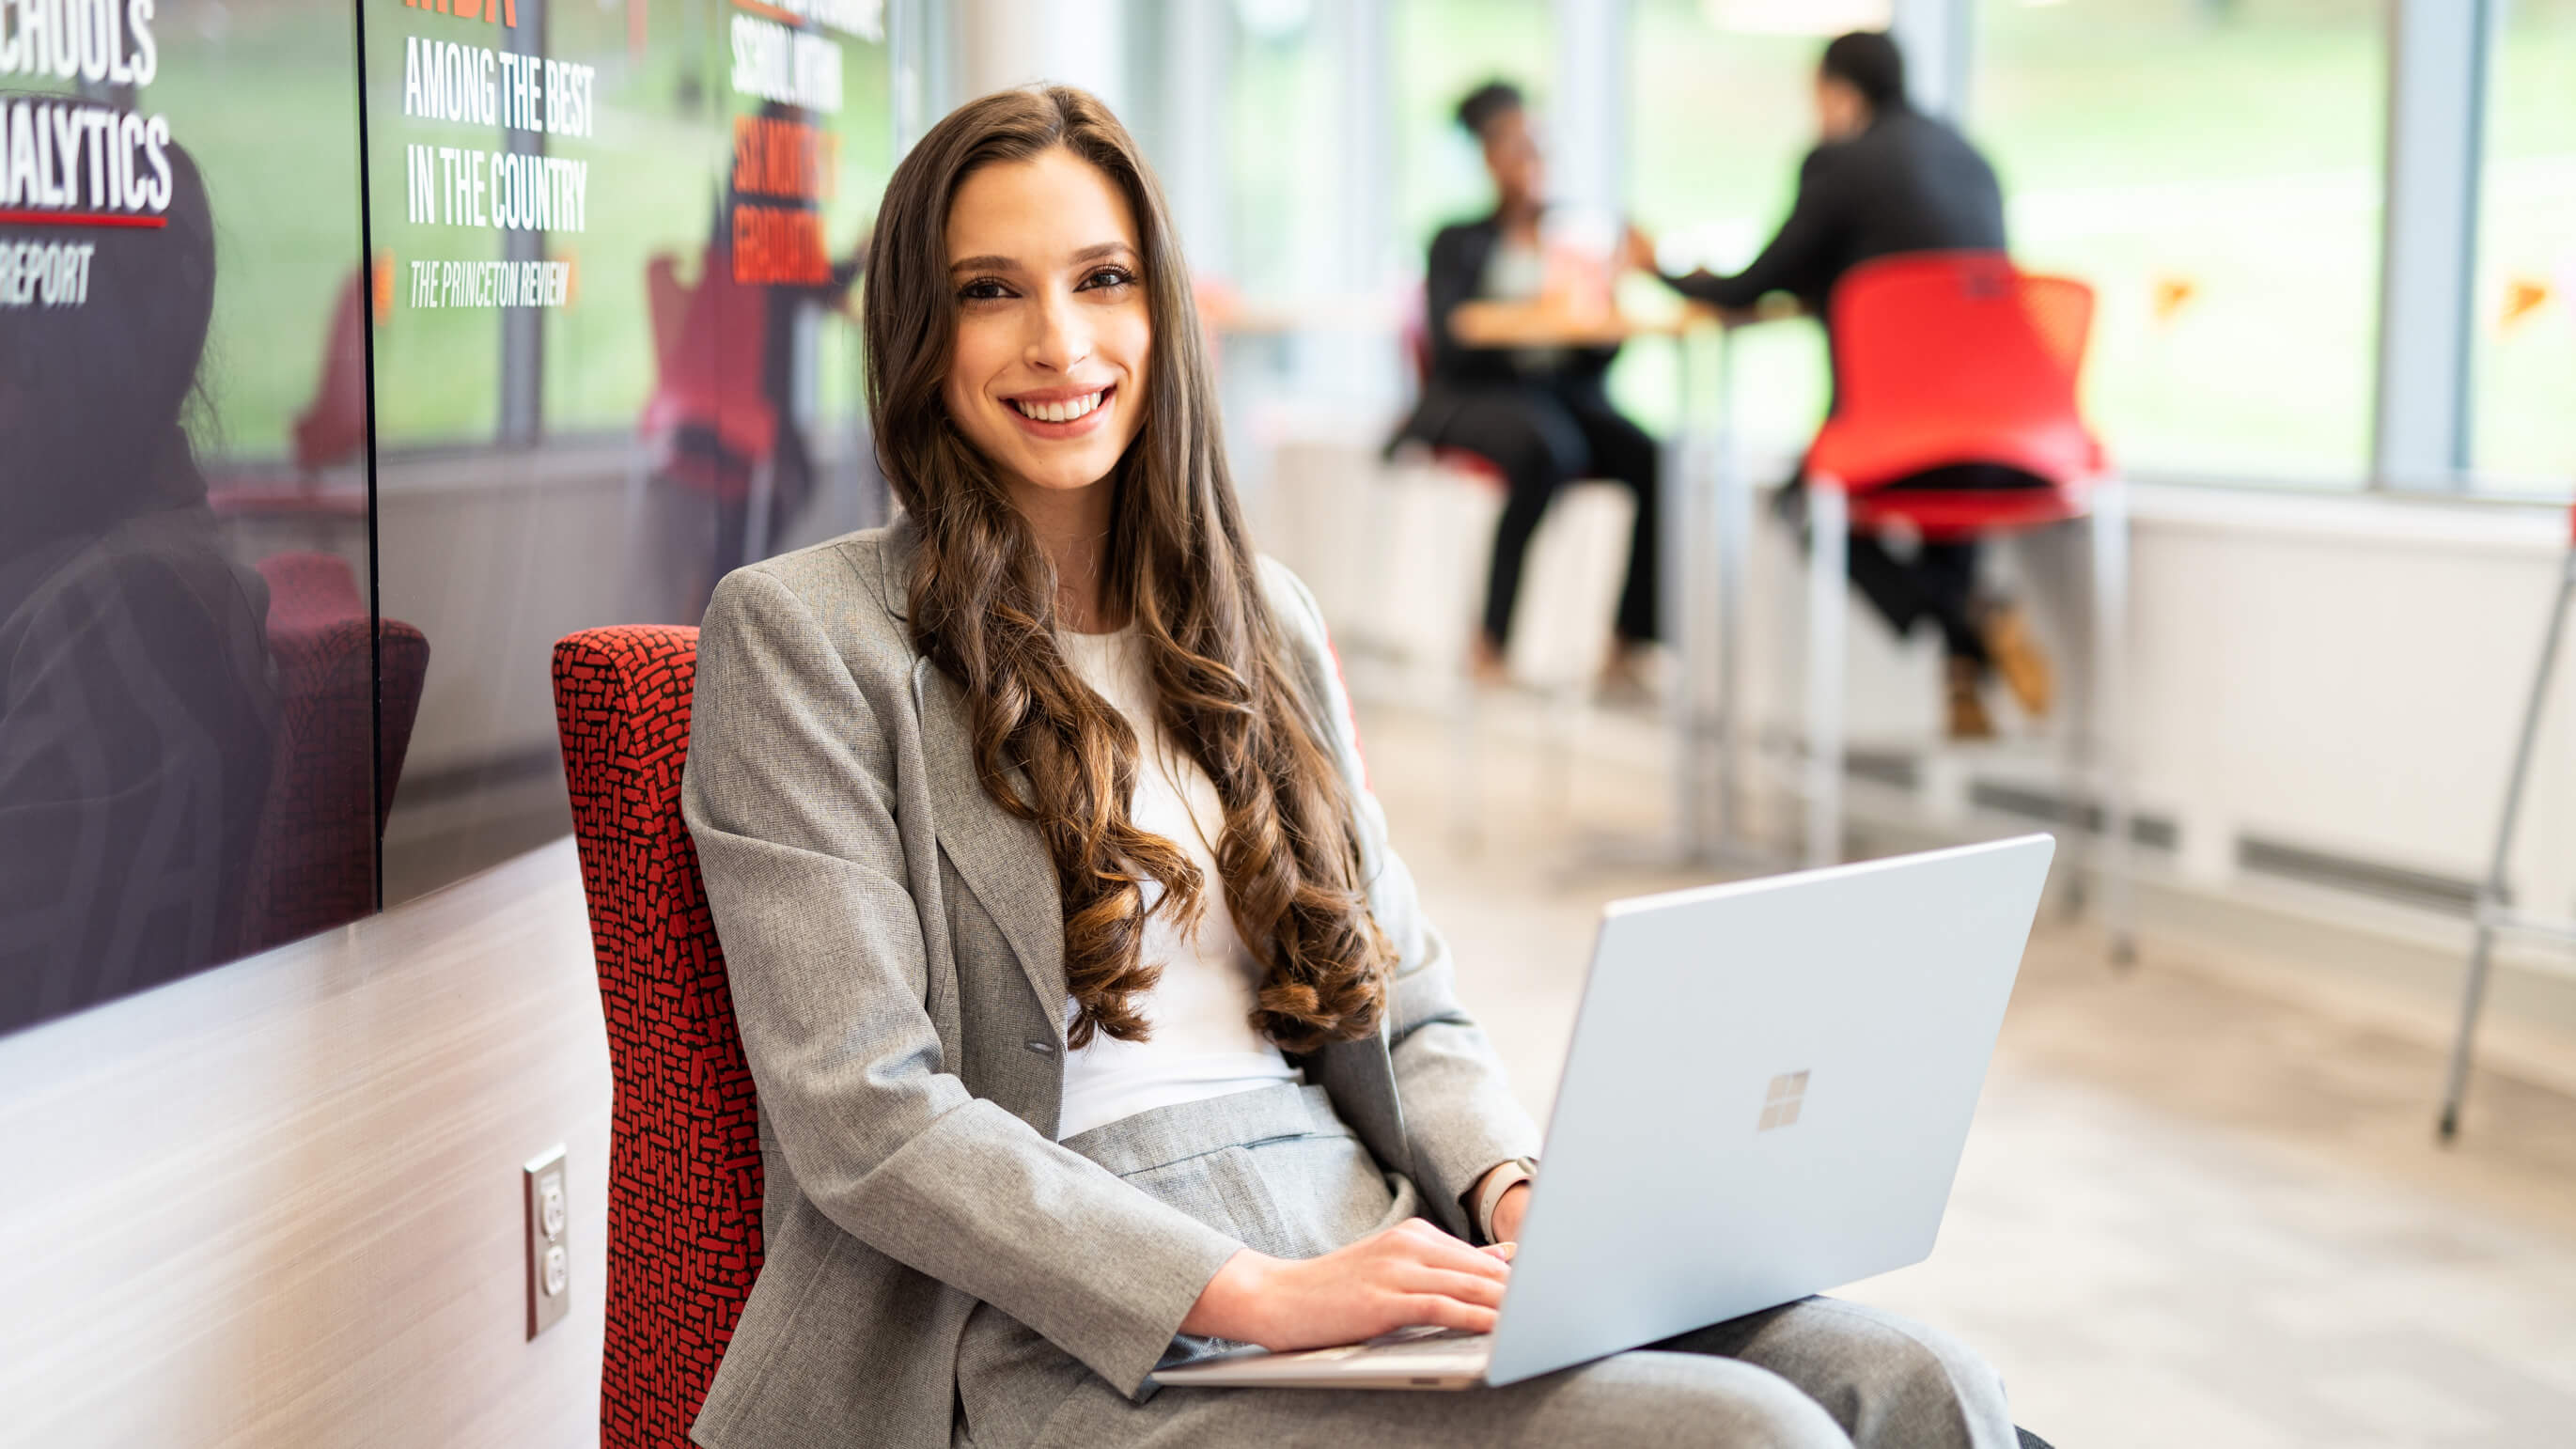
[(1109, 277), (982, 289)]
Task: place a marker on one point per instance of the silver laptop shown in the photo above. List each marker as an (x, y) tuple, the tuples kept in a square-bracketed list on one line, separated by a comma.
[(1767, 1094)]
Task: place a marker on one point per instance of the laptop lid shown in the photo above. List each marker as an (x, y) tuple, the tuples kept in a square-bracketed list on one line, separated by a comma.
[(1768, 1090)]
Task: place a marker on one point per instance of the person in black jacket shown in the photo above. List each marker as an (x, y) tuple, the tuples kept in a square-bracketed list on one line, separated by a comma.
[(1539, 414), (1887, 179)]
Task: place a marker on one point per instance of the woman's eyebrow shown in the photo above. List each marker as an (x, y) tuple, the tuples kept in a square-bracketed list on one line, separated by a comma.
[(1091, 253)]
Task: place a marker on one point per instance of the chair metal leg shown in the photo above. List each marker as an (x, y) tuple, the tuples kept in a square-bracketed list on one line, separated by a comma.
[(2110, 711), (1828, 557), (2079, 767), (2491, 893)]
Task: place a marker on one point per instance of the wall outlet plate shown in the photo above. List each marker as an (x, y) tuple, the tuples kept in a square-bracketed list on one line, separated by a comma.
[(549, 1255)]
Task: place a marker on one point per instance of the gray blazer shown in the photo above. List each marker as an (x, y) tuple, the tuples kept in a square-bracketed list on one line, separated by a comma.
[(895, 945)]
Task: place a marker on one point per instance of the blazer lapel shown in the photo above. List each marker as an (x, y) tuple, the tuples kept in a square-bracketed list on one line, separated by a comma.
[(1002, 858)]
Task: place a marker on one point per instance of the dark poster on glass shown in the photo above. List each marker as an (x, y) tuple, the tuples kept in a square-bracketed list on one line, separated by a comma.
[(187, 703)]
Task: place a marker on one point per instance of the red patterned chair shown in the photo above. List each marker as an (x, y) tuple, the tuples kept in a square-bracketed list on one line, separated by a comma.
[(684, 1155), (315, 864)]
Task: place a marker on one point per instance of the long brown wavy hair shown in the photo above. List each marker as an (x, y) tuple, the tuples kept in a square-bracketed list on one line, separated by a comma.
[(1177, 563)]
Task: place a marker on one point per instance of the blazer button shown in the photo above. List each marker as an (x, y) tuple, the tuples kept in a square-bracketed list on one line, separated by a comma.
[(1041, 1046)]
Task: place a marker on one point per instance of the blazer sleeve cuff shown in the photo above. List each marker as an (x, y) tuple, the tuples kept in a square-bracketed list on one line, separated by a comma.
[(1125, 1353)]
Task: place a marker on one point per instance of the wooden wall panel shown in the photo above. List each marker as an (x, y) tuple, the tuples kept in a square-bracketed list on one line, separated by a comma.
[(279, 1205)]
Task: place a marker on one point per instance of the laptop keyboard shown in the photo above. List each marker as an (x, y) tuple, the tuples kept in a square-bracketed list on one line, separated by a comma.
[(1406, 1342)]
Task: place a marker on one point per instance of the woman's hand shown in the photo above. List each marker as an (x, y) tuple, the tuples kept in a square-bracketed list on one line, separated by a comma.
[(1411, 1273)]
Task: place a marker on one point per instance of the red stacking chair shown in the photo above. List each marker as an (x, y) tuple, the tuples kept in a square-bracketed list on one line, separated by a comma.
[(314, 866), (1944, 358), (1417, 350), (708, 376), (684, 1178)]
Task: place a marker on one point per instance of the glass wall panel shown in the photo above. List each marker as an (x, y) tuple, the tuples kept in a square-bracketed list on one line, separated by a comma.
[(617, 233), (2524, 323), (187, 743), (2213, 167)]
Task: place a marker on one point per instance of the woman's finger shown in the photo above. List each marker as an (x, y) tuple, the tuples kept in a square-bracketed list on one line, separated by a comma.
[(1465, 1287), (1440, 1312), (1447, 1252), (1504, 1251)]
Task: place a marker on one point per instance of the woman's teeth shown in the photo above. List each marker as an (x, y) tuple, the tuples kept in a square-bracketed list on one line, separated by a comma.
[(1060, 412)]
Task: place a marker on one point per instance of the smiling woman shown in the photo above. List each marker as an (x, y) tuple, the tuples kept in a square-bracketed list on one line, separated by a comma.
[(1092, 1015)]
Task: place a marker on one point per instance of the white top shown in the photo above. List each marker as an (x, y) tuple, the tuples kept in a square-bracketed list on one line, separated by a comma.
[(1201, 1043)]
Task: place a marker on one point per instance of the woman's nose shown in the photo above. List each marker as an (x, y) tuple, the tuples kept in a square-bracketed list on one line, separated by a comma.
[(1060, 338)]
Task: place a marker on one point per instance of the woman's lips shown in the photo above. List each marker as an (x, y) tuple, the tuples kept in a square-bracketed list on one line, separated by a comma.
[(1067, 416)]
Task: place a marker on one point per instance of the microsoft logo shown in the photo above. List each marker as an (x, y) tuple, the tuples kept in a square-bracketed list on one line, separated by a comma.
[(1780, 1107)]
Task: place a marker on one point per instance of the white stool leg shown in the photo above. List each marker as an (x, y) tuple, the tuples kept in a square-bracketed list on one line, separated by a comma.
[(1828, 556), (2111, 713)]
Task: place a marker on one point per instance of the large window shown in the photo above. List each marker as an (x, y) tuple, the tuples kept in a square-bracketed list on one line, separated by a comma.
[(1721, 112), (1283, 102), (1444, 49), (2213, 168), (2523, 318)]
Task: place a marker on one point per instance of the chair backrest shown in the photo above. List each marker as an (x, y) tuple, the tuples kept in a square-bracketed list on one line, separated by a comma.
[(1946, 358), (684, 1154), (666, 301), (314, 866), (333, 426), (710, 380)]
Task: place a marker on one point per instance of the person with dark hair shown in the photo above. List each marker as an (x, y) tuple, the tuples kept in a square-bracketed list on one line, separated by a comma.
[(1886, 179), (1095, 1023), (137, 697), (1539, 414)]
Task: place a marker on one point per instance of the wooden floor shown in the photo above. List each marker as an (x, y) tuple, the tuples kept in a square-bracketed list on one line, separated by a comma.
[(2191, 1213)]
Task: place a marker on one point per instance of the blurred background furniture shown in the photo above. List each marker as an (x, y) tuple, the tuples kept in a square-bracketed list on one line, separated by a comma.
[(1954, 358), (338, 745)]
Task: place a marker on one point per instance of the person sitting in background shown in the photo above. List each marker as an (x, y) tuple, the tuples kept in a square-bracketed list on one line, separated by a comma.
[(1887, 179), (1540, 414)]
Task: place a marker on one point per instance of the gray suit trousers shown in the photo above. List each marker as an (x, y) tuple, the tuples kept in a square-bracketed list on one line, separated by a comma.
[(1276, 1169)]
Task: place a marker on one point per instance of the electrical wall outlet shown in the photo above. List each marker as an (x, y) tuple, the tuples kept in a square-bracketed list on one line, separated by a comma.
[(549, 1254)]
